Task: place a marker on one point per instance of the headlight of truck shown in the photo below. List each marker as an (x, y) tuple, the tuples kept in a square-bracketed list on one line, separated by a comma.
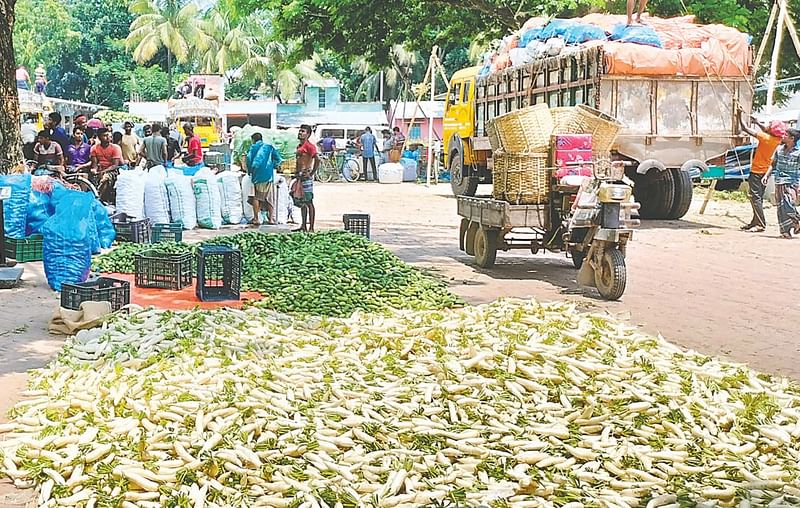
[(614, 193)]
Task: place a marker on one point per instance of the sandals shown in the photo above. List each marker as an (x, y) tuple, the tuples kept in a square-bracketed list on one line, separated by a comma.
[(787, 236), (753, 228)]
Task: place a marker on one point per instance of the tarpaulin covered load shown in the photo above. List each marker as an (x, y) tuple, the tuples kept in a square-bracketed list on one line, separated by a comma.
[(661, 47), (689, 49)]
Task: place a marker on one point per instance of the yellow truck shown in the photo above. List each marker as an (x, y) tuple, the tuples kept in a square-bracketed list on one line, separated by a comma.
[(202, 114), (673, 123)]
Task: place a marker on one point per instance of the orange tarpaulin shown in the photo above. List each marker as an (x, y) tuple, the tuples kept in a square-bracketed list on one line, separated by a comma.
[(689, 49), (177, 300)]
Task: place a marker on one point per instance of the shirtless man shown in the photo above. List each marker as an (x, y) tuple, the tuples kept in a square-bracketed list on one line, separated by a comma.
[(305, 169)]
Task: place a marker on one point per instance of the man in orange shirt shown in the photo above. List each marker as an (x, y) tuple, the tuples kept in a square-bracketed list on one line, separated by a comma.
[(106, 160), (769, 137)]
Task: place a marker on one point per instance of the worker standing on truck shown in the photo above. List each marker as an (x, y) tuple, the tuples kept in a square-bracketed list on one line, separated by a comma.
[(631, 6), (769, 137)]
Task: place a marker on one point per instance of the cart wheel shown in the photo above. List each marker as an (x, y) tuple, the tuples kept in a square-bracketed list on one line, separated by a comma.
[(486, 247), (610, 276), (462, 234), (577, 258), (469, 239)]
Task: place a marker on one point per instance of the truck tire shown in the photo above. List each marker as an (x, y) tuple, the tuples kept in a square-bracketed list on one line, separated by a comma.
[(486, 247), (655, 192), (611, 276), (462, 185), (683, 194)]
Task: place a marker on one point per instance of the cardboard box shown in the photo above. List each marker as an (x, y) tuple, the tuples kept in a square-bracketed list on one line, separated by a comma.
[(574, 142)]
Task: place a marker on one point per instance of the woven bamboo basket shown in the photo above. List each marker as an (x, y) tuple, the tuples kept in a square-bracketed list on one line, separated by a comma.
[(603, 128), (498, 178), (494, 139), (561, 117), (526, 177), (525, 130)]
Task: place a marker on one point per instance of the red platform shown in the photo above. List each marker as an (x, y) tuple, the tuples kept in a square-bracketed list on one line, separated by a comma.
[(177, 300)]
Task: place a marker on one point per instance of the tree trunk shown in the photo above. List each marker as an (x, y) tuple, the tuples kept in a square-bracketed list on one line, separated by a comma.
[(169, 73), (10, 136)]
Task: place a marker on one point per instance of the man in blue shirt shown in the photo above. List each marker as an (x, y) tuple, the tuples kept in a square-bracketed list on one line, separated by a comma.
[(57, 132), (262, 159), (369, 145)]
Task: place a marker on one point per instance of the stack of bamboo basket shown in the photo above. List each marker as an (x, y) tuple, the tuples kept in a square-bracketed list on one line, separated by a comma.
[(521, 145)]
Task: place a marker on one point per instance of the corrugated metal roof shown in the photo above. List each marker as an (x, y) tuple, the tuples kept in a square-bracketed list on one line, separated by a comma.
[(409, 109), (373, 118)]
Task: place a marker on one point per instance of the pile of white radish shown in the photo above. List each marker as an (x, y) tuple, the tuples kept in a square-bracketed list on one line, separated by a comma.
[(508, 404)]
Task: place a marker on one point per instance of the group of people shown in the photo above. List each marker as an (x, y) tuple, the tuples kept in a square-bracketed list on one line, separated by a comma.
[(24, 79), (92, 148), (369, 146), (777, 155), (196, 86), (261, 163)]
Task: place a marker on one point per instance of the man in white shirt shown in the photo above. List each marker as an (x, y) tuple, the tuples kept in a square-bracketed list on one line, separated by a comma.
[(29, 132)]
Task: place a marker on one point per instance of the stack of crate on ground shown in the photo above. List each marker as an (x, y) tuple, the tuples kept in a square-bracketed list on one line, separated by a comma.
[(524, 154)]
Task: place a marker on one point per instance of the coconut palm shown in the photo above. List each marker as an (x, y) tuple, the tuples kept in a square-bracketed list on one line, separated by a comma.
[(229, 43), (395, 76), (169, 24)]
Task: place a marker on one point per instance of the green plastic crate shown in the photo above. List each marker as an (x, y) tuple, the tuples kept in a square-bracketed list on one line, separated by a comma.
[(26, 249), (172, 232)]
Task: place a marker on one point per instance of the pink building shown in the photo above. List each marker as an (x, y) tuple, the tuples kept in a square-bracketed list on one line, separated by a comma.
[(402, 113)]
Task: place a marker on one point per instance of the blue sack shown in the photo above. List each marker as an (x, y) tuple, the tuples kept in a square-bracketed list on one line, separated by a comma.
[(557, 28), (40, 208), (67, 245), (191, 170), (106, 234), (636, 34), (15, 208), (584, 32), (534, 34)]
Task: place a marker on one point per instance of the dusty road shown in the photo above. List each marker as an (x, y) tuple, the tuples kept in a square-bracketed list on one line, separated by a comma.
[(699, 282)]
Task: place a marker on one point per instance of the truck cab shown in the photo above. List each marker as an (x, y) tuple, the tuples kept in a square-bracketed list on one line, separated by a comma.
[(460, 155)]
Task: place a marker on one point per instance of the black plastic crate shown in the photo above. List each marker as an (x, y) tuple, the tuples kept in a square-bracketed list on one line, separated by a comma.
[(172, 232), (102, 289), (131, 230), (356, 223), (25, 249), (154, 269), (219, 270)]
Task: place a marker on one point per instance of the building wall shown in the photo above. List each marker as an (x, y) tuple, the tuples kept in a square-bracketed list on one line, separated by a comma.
[(420, 133)]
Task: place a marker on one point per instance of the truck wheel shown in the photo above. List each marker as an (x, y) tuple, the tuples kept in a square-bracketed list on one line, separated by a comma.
[(462, 185), (469, 240), (655, 192), (610, 276), (486, 247), (683, 194)]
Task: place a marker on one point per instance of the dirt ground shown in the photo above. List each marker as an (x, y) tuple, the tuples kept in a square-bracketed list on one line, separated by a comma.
[(699, 281)]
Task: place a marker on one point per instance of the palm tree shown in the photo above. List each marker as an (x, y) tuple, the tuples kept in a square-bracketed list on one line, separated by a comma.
[(169, 24), (229, 43), (396, 75)]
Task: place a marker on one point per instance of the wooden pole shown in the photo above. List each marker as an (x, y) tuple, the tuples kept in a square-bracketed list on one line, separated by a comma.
[(763, 46), (773, 69), (431, 65)]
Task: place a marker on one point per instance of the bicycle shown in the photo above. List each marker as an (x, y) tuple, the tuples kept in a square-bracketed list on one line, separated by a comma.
[(338, 166), (77, 181)]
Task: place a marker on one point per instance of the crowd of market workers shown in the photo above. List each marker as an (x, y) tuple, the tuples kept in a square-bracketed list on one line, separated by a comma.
[(778, 155)]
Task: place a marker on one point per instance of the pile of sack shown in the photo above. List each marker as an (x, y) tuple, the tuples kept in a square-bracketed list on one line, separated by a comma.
[(542, 37), (73, 224), (666, 46), (204, 199)]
